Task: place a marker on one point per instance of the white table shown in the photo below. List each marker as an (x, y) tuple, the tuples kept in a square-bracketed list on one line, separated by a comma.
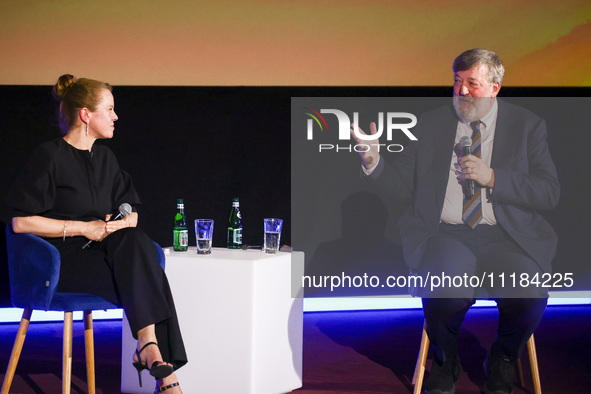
[(241, 325)]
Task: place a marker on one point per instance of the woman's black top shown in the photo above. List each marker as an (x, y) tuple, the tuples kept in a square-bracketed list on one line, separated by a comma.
[(65, 183)]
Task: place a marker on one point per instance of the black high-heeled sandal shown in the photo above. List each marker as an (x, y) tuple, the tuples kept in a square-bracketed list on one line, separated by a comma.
[(164, 388), (159, 369)]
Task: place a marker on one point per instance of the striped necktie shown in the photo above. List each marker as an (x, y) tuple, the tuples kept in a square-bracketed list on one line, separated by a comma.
[(472, 209)]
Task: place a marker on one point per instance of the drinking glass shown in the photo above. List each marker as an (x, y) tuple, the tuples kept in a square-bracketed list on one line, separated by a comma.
[(272, 234), (204, 234)]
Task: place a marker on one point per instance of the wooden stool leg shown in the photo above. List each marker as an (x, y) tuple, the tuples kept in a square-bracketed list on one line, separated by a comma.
[(89, 340), (419, 374), (533, 362), (67, 353), (19, 341), (519, 370)]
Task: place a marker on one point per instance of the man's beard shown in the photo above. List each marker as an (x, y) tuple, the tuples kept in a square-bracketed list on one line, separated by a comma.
[(471, 109)]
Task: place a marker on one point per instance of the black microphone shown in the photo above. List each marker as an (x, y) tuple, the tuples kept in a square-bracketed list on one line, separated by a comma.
[(468, 186), (124, 210), (246, 247)]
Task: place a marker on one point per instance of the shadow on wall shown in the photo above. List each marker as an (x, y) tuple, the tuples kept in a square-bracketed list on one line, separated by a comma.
[(358, 263)]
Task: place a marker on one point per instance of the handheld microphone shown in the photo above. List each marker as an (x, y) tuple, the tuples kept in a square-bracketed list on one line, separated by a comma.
[(468, 186), (124, 210)]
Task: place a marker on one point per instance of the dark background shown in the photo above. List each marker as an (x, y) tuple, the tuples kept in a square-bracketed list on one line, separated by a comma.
[(205, 145)]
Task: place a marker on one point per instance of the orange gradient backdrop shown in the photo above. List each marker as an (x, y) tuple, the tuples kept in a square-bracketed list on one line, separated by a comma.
[(267, 42)]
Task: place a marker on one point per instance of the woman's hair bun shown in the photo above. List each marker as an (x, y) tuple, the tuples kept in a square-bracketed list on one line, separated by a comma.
[(73, 94), (63, 85)]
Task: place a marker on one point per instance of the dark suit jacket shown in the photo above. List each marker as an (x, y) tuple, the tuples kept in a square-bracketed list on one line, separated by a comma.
[(525, 181)]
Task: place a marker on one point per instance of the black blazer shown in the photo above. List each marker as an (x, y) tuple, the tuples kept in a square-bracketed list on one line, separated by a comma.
[(525, 181)]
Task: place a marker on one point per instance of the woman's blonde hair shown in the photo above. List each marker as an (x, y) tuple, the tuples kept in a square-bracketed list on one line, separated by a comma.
[(75, 94)]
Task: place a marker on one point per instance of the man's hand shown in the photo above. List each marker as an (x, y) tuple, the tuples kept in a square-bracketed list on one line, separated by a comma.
[(369, 158), (474, 168)]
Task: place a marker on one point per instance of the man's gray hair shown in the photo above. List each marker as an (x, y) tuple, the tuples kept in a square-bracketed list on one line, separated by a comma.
[(477, 56)]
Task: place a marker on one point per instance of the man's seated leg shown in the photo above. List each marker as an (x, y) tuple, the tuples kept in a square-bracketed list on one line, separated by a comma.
[(445, 306), (521, 306), (444, 318), (518, 319)]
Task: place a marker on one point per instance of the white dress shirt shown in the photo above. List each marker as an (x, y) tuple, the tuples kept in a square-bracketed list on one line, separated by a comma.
[(454, 198)]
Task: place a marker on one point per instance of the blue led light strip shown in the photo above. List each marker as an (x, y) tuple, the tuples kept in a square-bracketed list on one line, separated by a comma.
[(13, 315)]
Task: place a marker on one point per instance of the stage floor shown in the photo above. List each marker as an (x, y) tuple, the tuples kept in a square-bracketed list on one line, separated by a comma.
[(344, 352)]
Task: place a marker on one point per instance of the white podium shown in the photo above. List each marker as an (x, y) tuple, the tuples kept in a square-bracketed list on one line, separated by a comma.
[(241, 326)]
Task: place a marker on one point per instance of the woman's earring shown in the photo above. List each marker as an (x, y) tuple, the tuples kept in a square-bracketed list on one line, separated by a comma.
[(87, 128)]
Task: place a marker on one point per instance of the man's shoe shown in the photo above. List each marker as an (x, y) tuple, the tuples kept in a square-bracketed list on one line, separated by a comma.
[(499, 371), (442, 377)]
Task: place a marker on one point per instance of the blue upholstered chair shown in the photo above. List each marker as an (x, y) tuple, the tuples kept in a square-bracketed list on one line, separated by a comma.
[(34, 266)]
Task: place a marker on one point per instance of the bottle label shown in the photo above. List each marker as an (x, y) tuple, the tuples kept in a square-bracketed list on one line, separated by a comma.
[(184, 238), (237, 236)]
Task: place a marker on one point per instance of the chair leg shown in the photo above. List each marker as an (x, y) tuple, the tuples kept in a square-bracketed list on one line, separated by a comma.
[(419, 374), (89, 340), (67, 354), (19, 341), (519, 371), (533, 362)]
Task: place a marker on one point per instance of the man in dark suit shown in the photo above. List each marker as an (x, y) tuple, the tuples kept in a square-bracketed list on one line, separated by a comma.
[(495, 230)]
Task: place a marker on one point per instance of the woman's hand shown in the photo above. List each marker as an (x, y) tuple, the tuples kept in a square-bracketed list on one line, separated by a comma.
[(128, 221), (95, 230)]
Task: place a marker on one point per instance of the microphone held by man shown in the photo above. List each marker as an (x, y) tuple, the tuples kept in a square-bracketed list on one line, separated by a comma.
[(468, 186)]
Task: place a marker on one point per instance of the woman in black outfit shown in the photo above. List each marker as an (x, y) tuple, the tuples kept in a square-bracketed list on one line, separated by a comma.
[(67, 193)]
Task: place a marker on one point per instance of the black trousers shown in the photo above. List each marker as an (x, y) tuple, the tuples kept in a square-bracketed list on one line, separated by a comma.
[(479, 263), (124, 270)]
